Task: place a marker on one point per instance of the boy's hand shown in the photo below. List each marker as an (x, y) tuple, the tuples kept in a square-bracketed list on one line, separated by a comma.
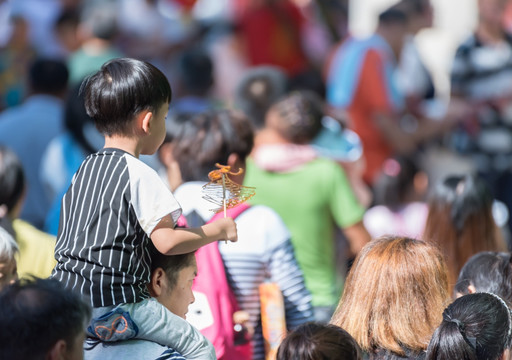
[(227, 229)]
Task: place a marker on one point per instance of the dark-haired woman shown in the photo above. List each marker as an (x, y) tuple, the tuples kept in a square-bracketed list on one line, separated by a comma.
[(474, 327), (460, 221), (487, 271)]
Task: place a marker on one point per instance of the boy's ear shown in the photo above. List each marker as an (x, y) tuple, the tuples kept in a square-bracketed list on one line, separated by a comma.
[(144, 121)]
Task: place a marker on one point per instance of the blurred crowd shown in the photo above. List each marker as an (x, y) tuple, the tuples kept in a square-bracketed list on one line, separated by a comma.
[(376, 198)]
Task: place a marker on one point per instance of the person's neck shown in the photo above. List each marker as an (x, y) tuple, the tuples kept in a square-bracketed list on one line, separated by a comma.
[(129, 144), (490, 33), (268, 136)]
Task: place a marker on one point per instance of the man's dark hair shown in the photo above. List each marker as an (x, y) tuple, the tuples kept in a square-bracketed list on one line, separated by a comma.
[(171, 264), (48, 76), (413, 7), (312, 341), (210, 138), (120, 90), (300, 116), (392, 16), (35, 314), (196, 71)]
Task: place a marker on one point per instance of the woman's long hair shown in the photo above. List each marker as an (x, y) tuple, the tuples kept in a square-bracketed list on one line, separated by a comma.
[(474, 327), (394, 295), (460, 221)]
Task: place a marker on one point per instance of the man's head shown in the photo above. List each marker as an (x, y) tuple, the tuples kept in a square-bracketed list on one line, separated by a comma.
[(297, 117), (41, 320), (195, 72), (171, 281), (393, 27), (490, 12), (258, 90), (420, 13), (121, 90), (49, 77)]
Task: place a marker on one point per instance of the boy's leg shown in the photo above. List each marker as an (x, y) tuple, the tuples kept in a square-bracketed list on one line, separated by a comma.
[(150, 320)]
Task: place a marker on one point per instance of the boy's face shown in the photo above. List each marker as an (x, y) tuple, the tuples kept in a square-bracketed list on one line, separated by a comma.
[(8, 273)]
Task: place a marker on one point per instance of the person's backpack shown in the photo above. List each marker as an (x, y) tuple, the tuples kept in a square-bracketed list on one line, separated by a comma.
[(215, 303)]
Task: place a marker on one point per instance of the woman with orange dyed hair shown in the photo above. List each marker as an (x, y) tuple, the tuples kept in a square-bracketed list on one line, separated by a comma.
[(460, 221), (394, 298)]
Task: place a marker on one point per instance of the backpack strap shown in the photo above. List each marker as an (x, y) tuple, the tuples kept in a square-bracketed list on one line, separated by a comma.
[(233, 213)]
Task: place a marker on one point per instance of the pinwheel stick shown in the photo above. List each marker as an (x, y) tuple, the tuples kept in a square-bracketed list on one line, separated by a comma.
[(224, 192), (224, 195)]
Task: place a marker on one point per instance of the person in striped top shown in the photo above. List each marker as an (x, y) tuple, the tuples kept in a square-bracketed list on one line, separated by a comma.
[(116, 205)]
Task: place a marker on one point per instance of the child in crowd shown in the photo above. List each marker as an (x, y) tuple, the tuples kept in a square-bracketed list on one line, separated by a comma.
[(8, 251), (116, 204), (36, 247), (264, 250), (312, 341), (460, 221), (474, 327)]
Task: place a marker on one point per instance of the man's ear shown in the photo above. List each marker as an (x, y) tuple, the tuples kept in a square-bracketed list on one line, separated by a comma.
[(58, 351), (144, 121), (156, 284)]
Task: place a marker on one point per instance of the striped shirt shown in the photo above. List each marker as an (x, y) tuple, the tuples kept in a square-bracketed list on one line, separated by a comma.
[(482, 74), (108, 213)]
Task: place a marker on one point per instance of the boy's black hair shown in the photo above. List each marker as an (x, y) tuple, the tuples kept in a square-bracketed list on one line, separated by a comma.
[(48, 76), (12, 178), (120, 90), (35, 314)]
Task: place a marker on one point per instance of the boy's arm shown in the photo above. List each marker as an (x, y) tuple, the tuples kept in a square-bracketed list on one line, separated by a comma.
[(171, 241)]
